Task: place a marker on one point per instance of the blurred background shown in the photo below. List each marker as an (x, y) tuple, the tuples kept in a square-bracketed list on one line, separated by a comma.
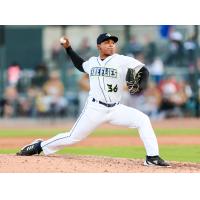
[(38, 80)]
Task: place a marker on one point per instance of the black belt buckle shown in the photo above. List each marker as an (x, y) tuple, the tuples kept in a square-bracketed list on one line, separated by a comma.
[(105, 104)]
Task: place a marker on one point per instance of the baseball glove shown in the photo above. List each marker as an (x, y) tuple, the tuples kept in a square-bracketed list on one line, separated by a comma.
[(137, 82)]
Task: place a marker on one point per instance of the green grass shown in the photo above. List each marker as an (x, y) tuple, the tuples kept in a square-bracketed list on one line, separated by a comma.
[(174, 153), (131, 132), (9, 151), (98, 132), (187, 153)]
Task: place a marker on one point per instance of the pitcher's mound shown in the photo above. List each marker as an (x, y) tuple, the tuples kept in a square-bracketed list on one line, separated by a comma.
[(72, 163)]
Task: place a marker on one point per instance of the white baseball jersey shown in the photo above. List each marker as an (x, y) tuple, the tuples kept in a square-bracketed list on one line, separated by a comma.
[(107, 77)]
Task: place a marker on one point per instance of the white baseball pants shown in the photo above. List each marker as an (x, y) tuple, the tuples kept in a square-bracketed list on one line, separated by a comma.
[(93, 115)]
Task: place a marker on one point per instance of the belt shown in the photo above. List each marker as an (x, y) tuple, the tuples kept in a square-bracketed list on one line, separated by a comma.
[(105, 104)]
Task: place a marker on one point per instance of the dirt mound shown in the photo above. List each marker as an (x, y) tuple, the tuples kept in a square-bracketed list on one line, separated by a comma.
[(70, 163)]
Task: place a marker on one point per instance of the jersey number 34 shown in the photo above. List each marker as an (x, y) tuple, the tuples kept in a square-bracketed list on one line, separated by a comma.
[(112, 88)]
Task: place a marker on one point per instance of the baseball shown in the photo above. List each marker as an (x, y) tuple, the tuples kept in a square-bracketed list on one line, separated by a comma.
[(62, 40)]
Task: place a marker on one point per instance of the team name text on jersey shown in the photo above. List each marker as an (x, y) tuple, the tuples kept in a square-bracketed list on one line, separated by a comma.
[(102, 71)]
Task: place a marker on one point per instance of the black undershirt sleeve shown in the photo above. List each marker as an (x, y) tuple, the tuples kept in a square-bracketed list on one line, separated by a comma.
[(76, 59)]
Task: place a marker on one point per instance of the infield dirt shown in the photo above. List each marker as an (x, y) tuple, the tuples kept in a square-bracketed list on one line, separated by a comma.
[(69, 163), (86, 164)]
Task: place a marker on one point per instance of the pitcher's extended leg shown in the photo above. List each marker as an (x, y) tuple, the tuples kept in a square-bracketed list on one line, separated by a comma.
[(86, 123), (133, 118)]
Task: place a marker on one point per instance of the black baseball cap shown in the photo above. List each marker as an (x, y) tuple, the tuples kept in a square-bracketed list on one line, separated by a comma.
[(106, 36)]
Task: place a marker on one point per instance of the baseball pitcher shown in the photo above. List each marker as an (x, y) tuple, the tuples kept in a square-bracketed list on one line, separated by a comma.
[(107, 74)]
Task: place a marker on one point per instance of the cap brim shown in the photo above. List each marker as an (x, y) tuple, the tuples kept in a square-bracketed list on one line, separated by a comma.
[(114, 38)]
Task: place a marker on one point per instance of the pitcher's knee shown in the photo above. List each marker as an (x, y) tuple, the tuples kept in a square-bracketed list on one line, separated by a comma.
[(73, 138), (144, 119)]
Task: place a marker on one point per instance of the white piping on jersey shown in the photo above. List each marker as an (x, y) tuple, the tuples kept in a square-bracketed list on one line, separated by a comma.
[(100, 83), (105, 89), (103, 77), (102, 89)]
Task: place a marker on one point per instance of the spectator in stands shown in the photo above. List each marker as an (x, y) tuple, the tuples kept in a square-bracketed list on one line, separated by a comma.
[(153, 100), (54, 92), (190, 47), (133, 47), (148, 102), (85, 50), (56, 52), (140, 56), (150, 50), (84, 89), (176, 50), (157, 70), (40, 77), (13, 74), (27, 103), (189, 106), (9, 104), (42, 104), (174, 97)]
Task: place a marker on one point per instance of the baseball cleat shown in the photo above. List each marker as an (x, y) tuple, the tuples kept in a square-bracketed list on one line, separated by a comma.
[(155, 161), (31, 149)]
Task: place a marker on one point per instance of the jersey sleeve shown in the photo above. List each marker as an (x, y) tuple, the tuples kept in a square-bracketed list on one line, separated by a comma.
[(132, 62), (129, 62), (86, 67)]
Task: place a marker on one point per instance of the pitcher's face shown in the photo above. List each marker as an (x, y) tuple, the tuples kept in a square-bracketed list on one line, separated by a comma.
[(107, 48)]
